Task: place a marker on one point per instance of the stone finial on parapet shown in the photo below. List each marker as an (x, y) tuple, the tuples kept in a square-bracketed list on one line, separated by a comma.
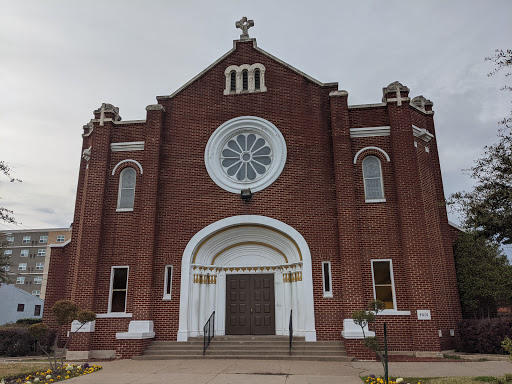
[(155, 107), (88, 128), (341, 93), (244, 25), (423, 104), (395, 92), (107, 111)]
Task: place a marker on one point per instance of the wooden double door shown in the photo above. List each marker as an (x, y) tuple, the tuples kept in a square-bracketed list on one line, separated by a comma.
[(250, 305)]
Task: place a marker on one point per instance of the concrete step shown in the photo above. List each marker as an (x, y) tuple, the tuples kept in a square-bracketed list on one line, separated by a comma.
[(247, 347), (211, 352), (246, 357)]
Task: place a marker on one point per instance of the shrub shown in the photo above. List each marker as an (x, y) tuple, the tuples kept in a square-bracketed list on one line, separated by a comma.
[(17, 341), (484, 335), (28, 321)]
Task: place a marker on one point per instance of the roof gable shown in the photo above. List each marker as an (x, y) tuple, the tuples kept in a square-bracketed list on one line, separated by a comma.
[(231, 51)]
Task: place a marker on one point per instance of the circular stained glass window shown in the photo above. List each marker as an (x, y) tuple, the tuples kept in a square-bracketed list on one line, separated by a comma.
[(246, 157), (245, 152)]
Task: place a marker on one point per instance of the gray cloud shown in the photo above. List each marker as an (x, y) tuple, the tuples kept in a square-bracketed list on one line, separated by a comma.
[(59, 60)]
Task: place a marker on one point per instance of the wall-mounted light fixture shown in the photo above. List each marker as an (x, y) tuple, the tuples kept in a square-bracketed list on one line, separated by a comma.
[(246, 194)]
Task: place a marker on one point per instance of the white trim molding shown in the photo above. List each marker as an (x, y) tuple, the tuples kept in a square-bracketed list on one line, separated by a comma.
[(370, 131), (127, 161), (422, 133), (113, 315), (228, 131), (128, 146), (367, 148), (246, 244)]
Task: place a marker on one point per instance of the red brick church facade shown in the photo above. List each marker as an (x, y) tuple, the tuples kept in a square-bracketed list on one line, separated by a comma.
[(343, 204)]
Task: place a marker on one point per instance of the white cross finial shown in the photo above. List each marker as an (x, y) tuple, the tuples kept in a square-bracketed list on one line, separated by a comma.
[(244, 25)]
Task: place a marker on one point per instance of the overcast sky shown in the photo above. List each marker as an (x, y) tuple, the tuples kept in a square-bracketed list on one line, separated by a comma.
[(59, 60)]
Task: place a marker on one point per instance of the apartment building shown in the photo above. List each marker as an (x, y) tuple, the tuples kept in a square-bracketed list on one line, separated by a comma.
[(29, 251)]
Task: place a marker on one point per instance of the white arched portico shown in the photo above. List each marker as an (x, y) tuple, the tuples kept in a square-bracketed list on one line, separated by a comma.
[(242, 245)]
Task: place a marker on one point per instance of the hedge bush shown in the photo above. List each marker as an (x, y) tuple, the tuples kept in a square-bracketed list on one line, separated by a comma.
[(28, 321), (484, 335), (17, 341)]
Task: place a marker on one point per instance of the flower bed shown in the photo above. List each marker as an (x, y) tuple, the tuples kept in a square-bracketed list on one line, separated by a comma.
[(47, 377), (372, 379)]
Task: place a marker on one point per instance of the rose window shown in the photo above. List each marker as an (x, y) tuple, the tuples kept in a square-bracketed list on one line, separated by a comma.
[(246, 157)]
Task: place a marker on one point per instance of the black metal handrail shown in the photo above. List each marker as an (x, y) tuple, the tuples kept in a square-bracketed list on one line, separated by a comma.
[(208, 332), (290, 330)]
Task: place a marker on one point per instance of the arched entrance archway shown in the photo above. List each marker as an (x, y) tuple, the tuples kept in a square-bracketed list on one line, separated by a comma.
[(248, 244)]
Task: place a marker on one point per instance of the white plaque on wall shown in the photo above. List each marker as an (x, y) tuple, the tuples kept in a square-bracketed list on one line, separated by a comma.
[(424, 314)]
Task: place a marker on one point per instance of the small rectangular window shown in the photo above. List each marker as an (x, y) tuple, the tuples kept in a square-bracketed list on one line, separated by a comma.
[(6, 268), (37, 308), (167, 282), (36, 293), (20, 280), (10, 239), (39, 266), (41, 252), (43, 239), (61, 238), (21, 307), (24, 253), (22, 266), (26, 240), (38, 280), (383, 284), (327, 279), (118, 289), (8, 252)]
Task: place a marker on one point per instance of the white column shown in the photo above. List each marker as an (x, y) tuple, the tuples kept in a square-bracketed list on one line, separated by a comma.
[(220, 311), (211, 293), (279, 297), (301, 309), (295, 303), (194, 308), (203, 298), (287, 299)]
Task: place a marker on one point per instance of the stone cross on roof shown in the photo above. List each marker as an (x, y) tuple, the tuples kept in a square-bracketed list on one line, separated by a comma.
[(244, 25)]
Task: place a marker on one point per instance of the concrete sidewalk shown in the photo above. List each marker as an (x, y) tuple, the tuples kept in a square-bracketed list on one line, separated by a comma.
[(276, 371)]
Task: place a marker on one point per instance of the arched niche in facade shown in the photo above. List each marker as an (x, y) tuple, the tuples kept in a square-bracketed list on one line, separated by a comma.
[(246, 244)]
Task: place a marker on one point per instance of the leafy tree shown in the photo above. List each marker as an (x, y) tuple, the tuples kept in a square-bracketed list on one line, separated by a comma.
[(6, 214), (484, 275), (487, 209), (4, 261), (368, 318), (64, 312), (502, 61)]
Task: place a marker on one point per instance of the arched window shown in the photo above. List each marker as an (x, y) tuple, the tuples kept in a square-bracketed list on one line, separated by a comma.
[(232, 86), (372, 175), (126, 195), (257, 79), (245, 80)]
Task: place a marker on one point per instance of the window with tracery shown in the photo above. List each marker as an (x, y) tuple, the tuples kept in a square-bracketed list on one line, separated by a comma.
[(372, 175), (126, 195)]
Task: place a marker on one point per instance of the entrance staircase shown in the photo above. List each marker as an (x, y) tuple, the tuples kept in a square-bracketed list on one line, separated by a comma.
[(247, 347)]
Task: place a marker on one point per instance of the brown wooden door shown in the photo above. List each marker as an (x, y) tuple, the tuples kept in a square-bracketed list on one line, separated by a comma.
[(250, 308)]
